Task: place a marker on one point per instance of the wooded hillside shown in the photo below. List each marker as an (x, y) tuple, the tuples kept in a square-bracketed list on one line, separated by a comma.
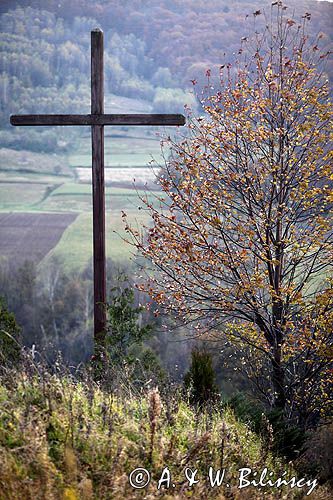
[(153, 52)]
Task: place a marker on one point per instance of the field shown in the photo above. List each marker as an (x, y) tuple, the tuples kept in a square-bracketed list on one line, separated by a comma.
[(33, 204), (76, 245), (13, 194), (31, 236), (46, 199), (139, 176), (14, 162)]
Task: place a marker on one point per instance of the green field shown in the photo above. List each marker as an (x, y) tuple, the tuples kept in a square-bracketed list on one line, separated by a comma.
[(75, 246), (136, 148), (16, 195), (78, 198), (78, 189)]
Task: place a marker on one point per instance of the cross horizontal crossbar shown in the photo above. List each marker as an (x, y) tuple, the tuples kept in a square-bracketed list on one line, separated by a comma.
[(100, 119)]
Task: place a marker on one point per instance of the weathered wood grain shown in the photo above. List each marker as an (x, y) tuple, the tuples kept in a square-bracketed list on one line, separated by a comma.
[(99, 119), (97, 141)]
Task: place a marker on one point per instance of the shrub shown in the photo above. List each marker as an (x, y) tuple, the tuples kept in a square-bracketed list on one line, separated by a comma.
[(123, 322), (285, 438), (317, 458), (9, 336), (200, 379)]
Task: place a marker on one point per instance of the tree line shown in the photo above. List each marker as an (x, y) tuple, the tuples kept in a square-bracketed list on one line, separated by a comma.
[(45, 68), (154, 51)]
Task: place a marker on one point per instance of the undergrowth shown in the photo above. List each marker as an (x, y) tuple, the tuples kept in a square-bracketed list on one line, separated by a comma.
[(63, 437)]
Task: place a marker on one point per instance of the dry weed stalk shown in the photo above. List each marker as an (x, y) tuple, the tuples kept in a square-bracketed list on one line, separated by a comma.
[(154, 411), (199, 445)]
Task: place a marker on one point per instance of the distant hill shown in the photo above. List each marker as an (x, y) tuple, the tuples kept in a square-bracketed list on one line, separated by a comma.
[(181, 35), (153, 51)]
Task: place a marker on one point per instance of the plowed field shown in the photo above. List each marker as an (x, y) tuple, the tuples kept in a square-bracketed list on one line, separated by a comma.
[(29, 236)]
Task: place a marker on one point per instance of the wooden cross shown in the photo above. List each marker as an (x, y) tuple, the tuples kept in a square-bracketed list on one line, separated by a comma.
[(97, 119)]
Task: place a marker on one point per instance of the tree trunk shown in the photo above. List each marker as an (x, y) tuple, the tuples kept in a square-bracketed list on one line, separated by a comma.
[(278, 381)]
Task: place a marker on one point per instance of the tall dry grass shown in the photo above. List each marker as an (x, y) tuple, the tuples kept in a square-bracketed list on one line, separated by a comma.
[(63, 437)]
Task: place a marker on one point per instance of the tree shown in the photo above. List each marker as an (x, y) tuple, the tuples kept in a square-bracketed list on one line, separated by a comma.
[(125, 355), (311, 368), (200, 378), (124, 327), (242, 234)]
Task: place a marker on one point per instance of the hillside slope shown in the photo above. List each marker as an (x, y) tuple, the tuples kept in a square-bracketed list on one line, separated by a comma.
[(64, 439)]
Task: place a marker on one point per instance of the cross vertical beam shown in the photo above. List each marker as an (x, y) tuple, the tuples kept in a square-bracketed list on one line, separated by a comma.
[(97, 120), (97, 140)]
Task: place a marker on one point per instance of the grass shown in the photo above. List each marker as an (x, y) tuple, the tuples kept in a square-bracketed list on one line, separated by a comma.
[(75, 245), (64, 438), (20, 195), (132, 149)]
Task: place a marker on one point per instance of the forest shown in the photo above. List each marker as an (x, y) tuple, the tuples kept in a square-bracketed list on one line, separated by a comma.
[(154, 52)]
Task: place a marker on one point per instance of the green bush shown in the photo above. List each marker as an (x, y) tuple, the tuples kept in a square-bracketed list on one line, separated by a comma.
[(123, 322), (285, 439), (247, 410), (125, 354), (200, 379), (288, 439), (9, 336)]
